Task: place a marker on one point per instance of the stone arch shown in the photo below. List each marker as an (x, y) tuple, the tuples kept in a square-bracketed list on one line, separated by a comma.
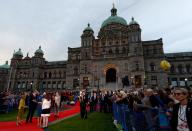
[(111, 75), (110, 72)]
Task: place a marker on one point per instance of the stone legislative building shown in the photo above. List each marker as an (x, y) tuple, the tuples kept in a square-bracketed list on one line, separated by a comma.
[(116, 58)]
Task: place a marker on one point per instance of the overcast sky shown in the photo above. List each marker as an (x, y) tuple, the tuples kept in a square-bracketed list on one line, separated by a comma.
[(58, 24)]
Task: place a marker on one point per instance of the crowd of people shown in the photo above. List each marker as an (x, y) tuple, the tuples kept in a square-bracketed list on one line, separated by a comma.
[(43, 104), (176, 104), (8, 101), (97, 100)]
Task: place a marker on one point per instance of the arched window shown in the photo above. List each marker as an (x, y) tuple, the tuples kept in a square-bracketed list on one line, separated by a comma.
[(136, 65), (85, 68), (117, 50), (59, 74), (126, 67), (21, 75), (188, 68), (75, 71), (147, 51), (50, 74), (86, 54), (124, 50), (172, 69), (103, 50), (45, 74), (154, 51), (55, 74), (127, 50), (64, 74), (24, 75), (180, 68), (110, 51), (152, 67)]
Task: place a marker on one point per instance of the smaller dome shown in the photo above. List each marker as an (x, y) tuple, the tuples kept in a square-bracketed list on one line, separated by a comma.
[(39, 51), (133, 22), (19, 52), (88, 28), (5, 66)]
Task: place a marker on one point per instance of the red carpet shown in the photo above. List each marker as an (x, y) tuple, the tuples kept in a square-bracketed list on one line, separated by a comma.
[(11, 126)]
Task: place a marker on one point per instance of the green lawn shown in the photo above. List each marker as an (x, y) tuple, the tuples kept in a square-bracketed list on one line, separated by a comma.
[(95, 122), (11, 116)]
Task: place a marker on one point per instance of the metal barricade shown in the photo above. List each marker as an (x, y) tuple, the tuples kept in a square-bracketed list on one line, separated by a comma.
[(148, 119)]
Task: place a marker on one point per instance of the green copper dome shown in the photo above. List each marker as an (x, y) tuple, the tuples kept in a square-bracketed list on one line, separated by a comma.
[(39, 51), (19, 53), (133, 22), (5, 66), (88, 28), (114, 18)]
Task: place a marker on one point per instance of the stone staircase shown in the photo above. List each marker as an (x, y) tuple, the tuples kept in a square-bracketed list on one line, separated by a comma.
[(111, 86)]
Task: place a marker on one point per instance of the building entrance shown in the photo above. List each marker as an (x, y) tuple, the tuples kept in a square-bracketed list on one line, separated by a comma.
[(110, 75)]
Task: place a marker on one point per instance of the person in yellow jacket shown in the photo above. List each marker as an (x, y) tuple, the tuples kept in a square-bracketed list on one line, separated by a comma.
[(21, 109)]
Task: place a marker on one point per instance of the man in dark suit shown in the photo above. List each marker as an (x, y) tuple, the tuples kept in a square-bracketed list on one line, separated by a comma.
[(32, 106)]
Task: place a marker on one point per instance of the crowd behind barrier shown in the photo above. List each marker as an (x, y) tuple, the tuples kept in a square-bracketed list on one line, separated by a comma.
[(151, 110), (151, 119)]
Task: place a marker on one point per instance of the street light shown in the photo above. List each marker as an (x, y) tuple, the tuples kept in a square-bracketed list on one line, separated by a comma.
[(131, 80), (186, 85), (31, 85)]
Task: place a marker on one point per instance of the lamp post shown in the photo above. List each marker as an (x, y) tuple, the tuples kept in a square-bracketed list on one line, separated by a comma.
[(31, 85), (132, 80), (186, 85)]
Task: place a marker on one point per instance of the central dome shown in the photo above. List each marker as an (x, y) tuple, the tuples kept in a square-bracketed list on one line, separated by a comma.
[(114, 19)]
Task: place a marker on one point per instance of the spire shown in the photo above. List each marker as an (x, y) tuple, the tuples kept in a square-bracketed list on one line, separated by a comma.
[(27, 54), (113, 5), (132, 18), (39, 47), (88, 25), (6, 62), (113, 11)]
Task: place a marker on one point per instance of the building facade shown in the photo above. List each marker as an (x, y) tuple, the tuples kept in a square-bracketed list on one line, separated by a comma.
[(4, 76), (116, 58)]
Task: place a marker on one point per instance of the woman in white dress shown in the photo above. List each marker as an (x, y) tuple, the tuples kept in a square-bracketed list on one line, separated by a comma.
[(46, 104)]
